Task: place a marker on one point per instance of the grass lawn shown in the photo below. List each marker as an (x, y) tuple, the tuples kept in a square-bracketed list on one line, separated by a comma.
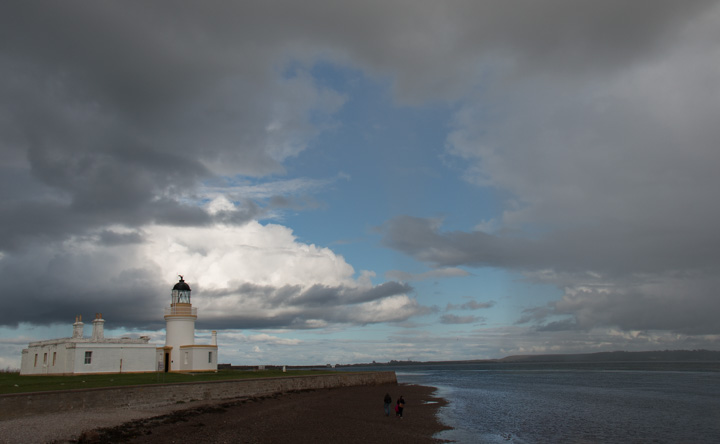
[(14, 383)]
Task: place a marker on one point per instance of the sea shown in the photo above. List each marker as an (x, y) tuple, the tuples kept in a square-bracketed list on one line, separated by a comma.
[(626, 402)]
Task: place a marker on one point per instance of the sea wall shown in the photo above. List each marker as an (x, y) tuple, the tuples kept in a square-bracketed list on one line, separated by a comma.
[(154, 395)]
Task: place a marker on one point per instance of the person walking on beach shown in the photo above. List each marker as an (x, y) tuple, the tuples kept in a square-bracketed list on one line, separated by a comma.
[(400, 406), (388, 401)]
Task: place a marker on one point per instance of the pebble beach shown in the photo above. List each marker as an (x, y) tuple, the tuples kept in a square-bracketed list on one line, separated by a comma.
[(345, 414)]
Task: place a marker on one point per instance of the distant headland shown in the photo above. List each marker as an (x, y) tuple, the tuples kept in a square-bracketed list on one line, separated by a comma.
[(613, 356)]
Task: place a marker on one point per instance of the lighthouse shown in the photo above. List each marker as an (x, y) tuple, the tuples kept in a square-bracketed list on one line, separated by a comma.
[(79, 355), (180, 352)]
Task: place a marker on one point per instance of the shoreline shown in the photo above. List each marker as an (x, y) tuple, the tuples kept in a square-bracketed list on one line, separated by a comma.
[(351, 414), (346, 414)]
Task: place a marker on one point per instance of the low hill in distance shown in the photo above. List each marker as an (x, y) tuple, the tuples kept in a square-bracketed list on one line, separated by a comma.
[(614, 356), (623, 356)]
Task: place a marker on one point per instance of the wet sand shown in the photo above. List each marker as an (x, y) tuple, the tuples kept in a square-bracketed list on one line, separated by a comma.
[(342, 415)]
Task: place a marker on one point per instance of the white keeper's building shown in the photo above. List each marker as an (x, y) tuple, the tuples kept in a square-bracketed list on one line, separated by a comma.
[(98, 354)]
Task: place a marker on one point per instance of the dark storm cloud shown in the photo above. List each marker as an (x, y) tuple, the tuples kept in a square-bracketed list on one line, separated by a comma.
[(315, 296), (677, 304), (134, 299), (323, 295), (608, 172), (636, 281), (113, 105), (651, 283), (253, 322), (613, 251), (292, 306), (666, 305), (116, 113), (109, 238)]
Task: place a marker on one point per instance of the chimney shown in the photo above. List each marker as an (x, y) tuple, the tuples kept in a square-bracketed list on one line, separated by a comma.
[(78, 327), (214, 338), (98, 333)]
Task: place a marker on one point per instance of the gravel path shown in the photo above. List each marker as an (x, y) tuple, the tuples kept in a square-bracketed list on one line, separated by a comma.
[(68, 427)]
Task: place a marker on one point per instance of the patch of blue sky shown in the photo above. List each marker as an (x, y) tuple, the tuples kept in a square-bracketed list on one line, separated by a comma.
[(393, 160), (507, 291)]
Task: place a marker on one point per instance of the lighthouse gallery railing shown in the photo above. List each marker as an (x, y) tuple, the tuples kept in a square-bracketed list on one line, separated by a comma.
[(183, 311)]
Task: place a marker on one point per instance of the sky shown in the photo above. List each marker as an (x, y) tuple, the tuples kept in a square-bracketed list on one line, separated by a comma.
[(347, 182)]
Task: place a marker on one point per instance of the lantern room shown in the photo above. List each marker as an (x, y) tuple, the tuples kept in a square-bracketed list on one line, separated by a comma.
[(181, 293)]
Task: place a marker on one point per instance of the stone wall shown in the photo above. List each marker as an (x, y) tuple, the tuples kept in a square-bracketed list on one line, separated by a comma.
[(154, 395)]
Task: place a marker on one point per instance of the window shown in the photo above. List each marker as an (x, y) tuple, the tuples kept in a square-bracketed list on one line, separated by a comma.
[(186, 358), (209, 357), (54, 357), (36, 359), (88, 357), (45, 359)]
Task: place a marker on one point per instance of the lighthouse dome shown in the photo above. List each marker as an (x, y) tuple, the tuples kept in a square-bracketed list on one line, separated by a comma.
[(182, 285)]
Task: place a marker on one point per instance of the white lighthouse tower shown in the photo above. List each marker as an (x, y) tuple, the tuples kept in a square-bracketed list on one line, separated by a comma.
[(180, 352)]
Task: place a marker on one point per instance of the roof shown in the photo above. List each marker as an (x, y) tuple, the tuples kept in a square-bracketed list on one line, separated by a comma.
[(182, 285)]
